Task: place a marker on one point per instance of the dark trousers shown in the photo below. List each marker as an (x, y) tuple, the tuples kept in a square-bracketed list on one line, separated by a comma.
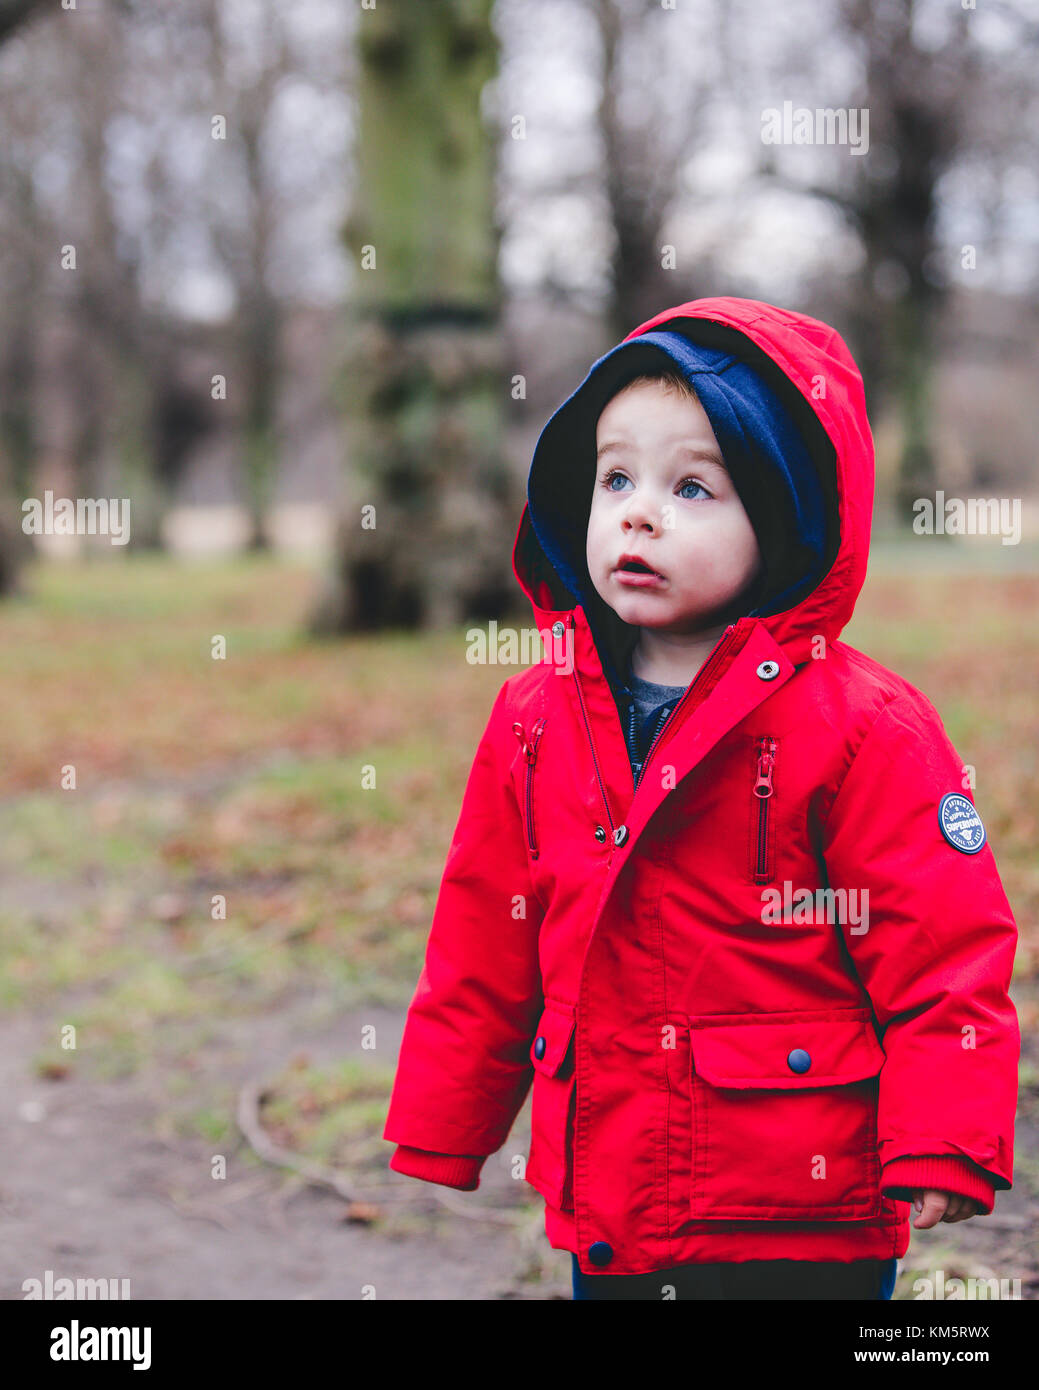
[(751, 1279)]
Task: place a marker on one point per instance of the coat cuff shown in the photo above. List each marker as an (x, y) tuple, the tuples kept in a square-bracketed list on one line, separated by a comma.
[(452, 1170), (943, 1172)]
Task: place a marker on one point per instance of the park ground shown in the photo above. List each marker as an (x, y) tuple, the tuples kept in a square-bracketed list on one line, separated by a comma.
[(241, 779)]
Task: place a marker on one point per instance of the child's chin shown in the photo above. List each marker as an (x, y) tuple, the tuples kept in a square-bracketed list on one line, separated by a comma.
[(651, 609), (654, 608), (663, 617), (639, 611)]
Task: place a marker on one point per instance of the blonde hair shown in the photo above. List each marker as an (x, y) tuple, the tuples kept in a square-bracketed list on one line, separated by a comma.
[(669, 377)]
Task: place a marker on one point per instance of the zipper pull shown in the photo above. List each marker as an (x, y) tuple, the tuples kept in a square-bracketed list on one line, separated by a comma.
[(520, 733), (766, 760), (530, 750)]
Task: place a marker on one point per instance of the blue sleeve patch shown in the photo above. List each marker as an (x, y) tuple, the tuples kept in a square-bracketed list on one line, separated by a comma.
[(961, 825)]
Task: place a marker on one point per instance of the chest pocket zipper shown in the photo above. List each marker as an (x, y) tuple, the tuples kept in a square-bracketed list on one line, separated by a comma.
[(763, 793), (530, 753)]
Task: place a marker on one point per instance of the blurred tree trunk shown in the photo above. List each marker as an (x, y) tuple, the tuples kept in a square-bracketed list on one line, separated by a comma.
[(918, 96), (16, 12), (18, 379), (422, 389), (261, 319), (260, 328), (917, 99), (639, 286), (17, 375), (106, 365), (643, 161), (925, 102)]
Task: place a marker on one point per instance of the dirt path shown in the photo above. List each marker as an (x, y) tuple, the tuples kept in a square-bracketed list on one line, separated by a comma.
[(93, 1186), (89, 1189)]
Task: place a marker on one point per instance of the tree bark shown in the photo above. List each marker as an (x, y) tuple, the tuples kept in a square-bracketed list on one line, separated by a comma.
[(425, 542)]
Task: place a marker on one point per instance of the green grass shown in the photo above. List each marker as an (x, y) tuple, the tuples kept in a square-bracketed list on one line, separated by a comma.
[(333, 1114)]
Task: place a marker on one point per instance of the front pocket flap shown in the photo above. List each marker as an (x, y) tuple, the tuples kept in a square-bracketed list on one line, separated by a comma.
[(554, 1030), (785, 1049)]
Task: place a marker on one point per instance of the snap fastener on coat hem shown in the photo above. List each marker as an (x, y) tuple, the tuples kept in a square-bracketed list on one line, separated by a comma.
[(767, 671), (557, 629), (539, 1048), (620, 834), (600, 834), (600, 1253), (798, 1060)]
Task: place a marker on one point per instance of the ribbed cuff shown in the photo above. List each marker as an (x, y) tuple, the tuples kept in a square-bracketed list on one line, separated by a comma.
[(451, 1170), (943, 1172)]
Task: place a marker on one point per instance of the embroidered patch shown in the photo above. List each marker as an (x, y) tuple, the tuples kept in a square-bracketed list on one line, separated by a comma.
[(961, 825)]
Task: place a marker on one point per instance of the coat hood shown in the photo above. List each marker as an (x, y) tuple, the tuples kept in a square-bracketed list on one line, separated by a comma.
[(786, 402)]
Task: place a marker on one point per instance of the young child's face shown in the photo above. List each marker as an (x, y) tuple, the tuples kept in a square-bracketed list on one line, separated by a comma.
[(662, 493)]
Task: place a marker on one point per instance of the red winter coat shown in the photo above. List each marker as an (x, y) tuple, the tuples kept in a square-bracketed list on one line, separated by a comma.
[(709, 1085)]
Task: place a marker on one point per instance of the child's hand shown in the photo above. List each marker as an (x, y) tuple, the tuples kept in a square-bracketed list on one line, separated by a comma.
[(941, 1206)]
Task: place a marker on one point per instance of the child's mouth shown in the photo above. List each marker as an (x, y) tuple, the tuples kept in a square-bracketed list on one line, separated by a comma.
[(638, 574)]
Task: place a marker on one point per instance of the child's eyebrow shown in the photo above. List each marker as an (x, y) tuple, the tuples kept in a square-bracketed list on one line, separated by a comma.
[(703, 455)]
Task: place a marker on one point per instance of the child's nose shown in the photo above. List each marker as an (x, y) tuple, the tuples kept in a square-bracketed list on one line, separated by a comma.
[(642, 514)]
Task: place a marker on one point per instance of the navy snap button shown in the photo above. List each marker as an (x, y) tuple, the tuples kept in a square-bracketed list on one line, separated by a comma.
[(620, 834), (539, 1048), (600, 1253), (600, 834), (767, 671), (798, 1060)]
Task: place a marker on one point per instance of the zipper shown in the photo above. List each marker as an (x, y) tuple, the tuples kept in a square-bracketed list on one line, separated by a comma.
[(763, 790), (711, 662), (530, 752), (709, 665), (662, 718), (591, 744), (591, 741)]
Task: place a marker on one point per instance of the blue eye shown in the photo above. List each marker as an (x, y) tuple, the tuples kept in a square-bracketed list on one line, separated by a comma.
[(613, 475), (610, 478), (699, 487)]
